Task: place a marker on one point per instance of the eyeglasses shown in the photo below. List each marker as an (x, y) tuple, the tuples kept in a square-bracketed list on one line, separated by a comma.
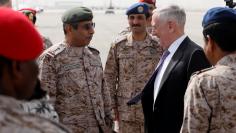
[(87, 26)]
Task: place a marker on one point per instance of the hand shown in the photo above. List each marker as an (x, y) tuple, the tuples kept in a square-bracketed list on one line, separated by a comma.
[(116, 126)]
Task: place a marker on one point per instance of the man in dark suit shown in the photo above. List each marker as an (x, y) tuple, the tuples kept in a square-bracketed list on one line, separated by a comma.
[(162, 97)]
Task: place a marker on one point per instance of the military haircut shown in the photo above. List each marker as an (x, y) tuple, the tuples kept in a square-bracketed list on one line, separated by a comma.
[(3, 2), (223, 34)]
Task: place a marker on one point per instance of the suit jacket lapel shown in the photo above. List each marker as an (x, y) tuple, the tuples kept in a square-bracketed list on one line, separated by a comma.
[(174, 60)]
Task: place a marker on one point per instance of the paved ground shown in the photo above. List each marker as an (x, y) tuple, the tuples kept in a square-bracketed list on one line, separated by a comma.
[(108, 26)]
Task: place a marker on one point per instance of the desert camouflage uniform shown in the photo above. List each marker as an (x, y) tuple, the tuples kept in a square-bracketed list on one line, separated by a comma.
[(74, 77), (14, 120), (210, 100), (46, 42), (127, 31), (129, 66), (41, 107)]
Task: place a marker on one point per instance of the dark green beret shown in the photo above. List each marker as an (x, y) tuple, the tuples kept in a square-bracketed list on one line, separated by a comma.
[(76, 15)]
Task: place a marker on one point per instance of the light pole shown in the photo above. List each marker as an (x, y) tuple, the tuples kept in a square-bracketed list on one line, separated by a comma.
[(110, 9), (110, 5)]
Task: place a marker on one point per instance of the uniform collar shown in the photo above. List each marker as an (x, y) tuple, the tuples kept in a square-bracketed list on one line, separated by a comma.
[(73, 51), (228, 60), (146, 42)]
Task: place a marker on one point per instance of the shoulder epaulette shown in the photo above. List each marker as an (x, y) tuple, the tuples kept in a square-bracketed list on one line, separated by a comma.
[(125, 31), (93, 50), (203, 70), (155, 39), (120, 39), (56, 49)]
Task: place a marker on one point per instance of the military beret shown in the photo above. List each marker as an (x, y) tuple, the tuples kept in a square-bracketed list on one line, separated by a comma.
[(138, 8), (149, 1), (19, 39), (77, 14), (28, 10), (219, 15)]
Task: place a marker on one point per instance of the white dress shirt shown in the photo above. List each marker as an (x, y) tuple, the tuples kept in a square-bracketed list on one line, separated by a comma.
[(172, 49)]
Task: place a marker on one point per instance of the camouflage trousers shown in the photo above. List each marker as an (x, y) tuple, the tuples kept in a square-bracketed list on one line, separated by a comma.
[(130, 127), (84, 130)]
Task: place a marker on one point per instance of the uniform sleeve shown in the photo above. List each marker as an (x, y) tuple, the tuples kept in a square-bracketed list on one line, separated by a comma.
[(197, 111), (107, 104), (111, 75), (47, 74)]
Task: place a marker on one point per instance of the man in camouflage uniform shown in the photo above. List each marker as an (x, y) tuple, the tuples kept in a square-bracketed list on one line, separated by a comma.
[(151, 6), (72, 73), (131, 61), (210, 104), (31, 14), (18, 75)]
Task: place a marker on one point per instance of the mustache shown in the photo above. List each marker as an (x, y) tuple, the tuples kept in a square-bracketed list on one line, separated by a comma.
[(136, 25), (39, 93)]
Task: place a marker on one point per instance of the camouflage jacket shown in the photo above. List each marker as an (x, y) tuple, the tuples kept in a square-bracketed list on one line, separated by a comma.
[(129, 66), (74, 77), (210, 104), (41, 107), (14, 120)]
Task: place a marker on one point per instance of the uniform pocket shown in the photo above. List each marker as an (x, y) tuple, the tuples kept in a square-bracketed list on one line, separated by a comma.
[(126, 64)]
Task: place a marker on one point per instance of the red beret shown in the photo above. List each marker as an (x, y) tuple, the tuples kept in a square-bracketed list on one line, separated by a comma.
[(149, 1), (19, 40), (28, 9)]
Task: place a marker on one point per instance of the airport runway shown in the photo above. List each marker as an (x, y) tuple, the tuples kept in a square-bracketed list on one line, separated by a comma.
[(107, 27)]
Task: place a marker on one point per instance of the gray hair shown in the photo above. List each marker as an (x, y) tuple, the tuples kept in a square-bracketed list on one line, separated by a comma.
[(172, 12)]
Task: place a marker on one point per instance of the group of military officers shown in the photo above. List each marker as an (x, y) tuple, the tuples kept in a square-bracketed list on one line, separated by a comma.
[(87, 98)]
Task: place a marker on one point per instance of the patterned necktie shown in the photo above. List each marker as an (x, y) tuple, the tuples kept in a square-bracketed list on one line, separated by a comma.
[(163, 57), (159, 66)]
